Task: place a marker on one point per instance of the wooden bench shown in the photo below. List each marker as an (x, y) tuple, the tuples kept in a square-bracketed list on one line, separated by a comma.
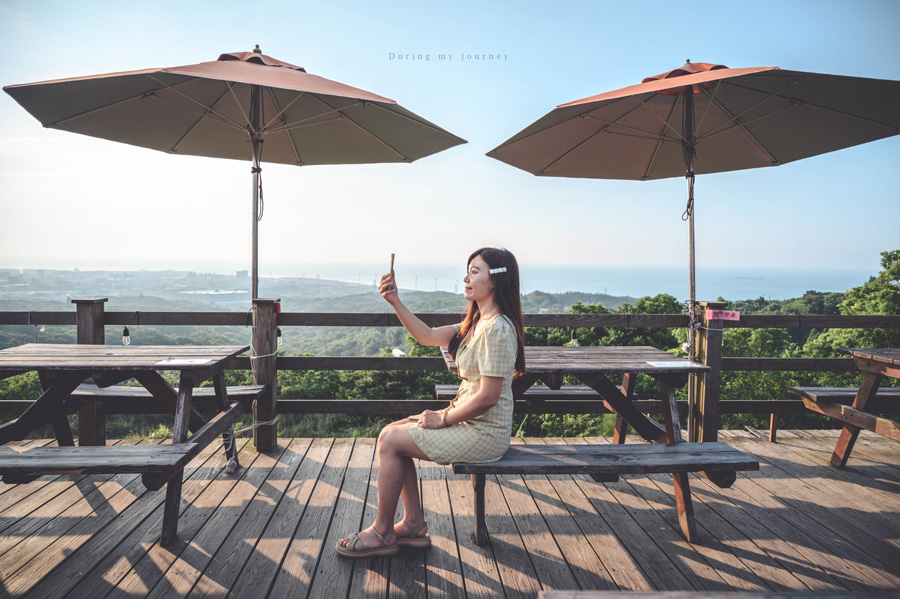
[(119, 399), (833, 401), (604, 463), (156, 463), (535, 393)]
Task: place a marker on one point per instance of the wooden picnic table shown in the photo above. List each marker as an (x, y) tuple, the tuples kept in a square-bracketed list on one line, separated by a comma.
[(62, 368), (592, 366), (875, 364)]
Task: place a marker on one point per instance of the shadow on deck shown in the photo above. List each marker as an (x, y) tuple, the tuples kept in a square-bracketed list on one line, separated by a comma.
[(268, 530)]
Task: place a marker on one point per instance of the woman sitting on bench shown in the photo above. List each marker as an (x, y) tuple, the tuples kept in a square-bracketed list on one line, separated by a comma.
[(488, 347)]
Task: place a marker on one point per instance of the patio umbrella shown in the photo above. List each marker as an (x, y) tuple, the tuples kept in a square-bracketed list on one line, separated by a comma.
[(236, 107), (705, 118)]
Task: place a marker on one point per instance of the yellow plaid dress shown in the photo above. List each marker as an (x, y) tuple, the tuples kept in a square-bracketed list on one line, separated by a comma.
[(488, 352)]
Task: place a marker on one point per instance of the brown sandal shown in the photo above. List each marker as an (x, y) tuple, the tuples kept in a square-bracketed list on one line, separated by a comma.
[(357, 549), (412, 540)]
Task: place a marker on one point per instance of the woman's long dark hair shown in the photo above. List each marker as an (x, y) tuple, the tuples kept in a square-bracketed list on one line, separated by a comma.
[(506, 296)]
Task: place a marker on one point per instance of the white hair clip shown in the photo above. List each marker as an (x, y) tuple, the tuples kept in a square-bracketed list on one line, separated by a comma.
[(494, 271)]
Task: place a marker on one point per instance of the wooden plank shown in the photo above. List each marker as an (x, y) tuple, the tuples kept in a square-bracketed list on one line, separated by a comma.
[(707, 595), (551, 567), (810, 533), (100, 560), (623, 571), (359, 363), (614, 459), (517, 572), (149, 566), (844, 395), (787, 364), (34, 493), (196, 553), (31, 558), (737, 558), (804, 480), (20, 446), (819, 321), (479, 569), (265, 562), (88, 358), (370, 577), (443, 566), (740, 507), (660, 524), (407, 568), (26, 518), (117, 392), (95, 460), (32, 317), (653, 562), (587, 568), (299, 565), (127, 405), (448, 392), (233, 553), (332, 575), (24, 499), (858, 418), (815, 321)]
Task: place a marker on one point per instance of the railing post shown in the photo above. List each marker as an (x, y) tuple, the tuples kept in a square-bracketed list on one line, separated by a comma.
[(265, 372), (705, 425), (89, 319)]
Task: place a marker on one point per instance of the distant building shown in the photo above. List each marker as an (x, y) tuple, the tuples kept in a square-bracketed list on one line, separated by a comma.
[(242, 274)]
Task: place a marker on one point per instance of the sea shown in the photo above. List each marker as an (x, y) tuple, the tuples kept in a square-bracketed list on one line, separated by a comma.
[(731, 283)]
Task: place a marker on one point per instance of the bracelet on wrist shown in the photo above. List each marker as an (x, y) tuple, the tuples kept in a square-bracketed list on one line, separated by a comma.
[(444, 417)]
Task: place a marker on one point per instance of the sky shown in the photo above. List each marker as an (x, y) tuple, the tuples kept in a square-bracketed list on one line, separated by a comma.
[(70, 201)]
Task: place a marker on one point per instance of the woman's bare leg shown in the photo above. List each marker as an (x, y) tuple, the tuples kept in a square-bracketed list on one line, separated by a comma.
[(396, 479)]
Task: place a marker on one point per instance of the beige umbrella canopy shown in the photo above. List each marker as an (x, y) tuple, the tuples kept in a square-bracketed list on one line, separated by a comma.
[(705, 118), (243, 105)]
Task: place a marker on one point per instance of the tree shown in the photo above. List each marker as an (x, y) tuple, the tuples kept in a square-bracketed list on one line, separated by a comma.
[(880, 295)]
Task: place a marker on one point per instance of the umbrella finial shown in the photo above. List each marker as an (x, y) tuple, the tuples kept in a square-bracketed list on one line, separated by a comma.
[(256, 50)]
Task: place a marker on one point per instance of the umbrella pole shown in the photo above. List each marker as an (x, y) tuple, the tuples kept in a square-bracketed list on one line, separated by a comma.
[(687, 146), (257, 142)]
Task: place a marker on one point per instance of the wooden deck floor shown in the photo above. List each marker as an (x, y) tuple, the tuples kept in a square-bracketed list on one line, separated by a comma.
[(268, 530)]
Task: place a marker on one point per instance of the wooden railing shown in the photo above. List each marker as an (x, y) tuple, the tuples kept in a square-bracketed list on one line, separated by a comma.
[(703, 407)]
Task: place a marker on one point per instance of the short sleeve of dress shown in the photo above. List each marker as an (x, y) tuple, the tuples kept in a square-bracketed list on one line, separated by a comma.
[(499, 345)]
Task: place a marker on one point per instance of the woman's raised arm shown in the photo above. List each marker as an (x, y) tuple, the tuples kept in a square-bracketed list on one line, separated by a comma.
[(420, 331)]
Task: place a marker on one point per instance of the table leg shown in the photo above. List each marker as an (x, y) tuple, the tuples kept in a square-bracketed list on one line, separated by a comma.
[(621, 428), (59, 419), (45, 410), (645, 427), (179, 435), (848, 436), (228, 437), (682, 486), (167, 396)]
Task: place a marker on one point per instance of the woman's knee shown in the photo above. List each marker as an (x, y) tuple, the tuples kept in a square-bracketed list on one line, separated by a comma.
[(389, 437)]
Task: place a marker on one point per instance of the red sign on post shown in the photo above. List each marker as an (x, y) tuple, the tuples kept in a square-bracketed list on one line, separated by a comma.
[(722, 315)]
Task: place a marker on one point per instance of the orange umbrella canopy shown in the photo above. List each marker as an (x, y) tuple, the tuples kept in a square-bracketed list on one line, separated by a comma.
[(205, 110), (738, 119), (245, 105)]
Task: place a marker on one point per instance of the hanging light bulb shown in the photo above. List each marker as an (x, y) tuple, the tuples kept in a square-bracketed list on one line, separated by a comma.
[(278, 335), (126, 338)]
